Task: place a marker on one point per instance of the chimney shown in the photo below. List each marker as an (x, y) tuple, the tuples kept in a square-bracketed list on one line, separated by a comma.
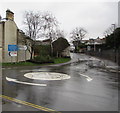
[(9, 15)]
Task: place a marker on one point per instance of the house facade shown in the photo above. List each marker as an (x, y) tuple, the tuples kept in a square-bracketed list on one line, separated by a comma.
[(11, 39), (95, 44)]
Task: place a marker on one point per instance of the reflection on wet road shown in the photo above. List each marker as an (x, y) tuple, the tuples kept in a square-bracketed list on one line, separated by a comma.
[(90, 88)]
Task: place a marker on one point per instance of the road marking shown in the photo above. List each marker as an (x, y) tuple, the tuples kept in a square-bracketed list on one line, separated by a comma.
[(47, 76), (87, 77), (14, 80), (114, 71), (29, 104)]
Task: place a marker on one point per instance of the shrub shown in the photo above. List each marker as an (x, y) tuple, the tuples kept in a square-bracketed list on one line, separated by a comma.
[(43, 50), (43, 59)]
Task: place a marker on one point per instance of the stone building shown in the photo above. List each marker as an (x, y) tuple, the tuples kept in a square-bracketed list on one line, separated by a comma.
[(61, 47), (10, 35), (95, 44), (43, 42)]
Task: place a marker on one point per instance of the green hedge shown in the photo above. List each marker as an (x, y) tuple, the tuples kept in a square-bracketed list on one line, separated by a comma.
[(42, 50), (43, 59)]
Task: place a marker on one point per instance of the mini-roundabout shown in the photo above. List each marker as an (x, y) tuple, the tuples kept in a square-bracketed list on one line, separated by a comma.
[(47, 76)]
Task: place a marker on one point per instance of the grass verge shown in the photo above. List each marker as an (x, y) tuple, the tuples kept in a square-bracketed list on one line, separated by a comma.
[(56, 61), (61, 60)]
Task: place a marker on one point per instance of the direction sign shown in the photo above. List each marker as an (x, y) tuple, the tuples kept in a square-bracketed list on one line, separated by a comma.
[(12, 48), (12, 53), (22, 47)]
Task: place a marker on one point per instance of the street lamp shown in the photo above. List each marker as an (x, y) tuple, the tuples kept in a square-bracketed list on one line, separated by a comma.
[(114, 42)]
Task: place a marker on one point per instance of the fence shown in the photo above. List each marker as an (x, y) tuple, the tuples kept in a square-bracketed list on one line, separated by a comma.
[(107, 54)]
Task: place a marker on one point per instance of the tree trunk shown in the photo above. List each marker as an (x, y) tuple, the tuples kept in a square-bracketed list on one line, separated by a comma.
[(31, 57), (57, 54)]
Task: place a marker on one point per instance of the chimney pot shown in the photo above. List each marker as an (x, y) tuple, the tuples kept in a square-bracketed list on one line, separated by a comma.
[(9, 15)]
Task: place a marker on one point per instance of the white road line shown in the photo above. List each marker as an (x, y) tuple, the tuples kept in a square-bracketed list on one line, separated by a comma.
[(14, 80), (115, 71), (47, 76), (87, 77)]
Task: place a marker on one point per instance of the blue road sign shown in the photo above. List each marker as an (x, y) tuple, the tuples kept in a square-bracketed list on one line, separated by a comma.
[(12, 48)]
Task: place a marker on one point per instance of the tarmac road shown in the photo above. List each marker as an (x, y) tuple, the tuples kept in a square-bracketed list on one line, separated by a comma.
[(90, 88)]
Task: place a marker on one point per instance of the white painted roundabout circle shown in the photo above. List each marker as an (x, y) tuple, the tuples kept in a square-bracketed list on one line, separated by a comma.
[(47, 76)]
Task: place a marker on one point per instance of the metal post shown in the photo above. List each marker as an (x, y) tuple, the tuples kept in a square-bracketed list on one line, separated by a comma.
[(94, 47)]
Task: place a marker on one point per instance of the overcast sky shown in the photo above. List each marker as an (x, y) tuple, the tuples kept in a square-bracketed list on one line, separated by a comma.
[(95, 16)]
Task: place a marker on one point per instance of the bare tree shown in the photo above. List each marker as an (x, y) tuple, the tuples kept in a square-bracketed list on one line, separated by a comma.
[(60, 33), (109, 31), (32, 22), (49, 25), (77, 35)]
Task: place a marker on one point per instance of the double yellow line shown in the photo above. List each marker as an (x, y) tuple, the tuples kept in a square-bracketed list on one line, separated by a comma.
[(29, 104)]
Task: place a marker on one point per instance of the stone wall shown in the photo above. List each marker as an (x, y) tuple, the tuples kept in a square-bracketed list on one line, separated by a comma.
[(23, 41)]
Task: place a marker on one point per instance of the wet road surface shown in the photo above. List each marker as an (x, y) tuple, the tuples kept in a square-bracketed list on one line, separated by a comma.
[(90, 88)]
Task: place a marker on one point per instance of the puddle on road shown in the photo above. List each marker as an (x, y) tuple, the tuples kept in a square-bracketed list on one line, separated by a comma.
[(47, 76)]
